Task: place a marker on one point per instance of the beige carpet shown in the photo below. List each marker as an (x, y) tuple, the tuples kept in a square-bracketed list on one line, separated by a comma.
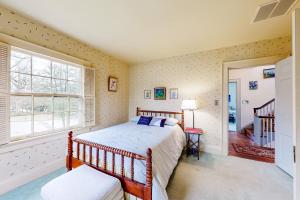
[(228, 178)]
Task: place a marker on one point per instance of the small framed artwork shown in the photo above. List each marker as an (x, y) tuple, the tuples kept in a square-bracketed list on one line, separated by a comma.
[(160, 93), (269, 73), (253, 85), (112, 84), (147, 94), (174, 93)]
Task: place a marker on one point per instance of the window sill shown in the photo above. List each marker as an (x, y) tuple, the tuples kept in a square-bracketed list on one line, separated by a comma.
[(24, 143)]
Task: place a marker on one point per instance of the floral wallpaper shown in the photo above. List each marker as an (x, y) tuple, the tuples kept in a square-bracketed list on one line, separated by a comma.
[(111, 107), (196, 76)]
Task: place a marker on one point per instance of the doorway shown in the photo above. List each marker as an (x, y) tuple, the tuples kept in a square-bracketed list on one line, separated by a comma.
[(233, 97), (246, 140)]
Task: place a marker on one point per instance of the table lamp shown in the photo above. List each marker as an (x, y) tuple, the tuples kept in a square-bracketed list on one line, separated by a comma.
[(189, 105)]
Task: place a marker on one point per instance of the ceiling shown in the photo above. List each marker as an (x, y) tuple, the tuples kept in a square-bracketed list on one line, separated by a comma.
[(142, 30)]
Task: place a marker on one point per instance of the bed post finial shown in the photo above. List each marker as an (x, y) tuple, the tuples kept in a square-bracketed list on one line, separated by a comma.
[(148, 189), (137, 111), (70, 151)]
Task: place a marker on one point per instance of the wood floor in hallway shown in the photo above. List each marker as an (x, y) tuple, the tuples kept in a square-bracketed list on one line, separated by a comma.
[(238, 138)]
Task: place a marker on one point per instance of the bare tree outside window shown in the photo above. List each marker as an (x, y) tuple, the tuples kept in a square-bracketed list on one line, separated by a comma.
[(45, 94)]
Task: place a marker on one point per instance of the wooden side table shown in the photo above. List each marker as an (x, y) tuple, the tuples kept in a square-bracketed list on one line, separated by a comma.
[(191, 146)]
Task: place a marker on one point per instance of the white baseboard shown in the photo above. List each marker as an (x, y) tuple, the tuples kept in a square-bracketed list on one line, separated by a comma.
[(22, 179), (211, 149)]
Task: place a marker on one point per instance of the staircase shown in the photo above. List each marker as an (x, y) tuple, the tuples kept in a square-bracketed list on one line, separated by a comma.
[(249, 131), (262, 131)]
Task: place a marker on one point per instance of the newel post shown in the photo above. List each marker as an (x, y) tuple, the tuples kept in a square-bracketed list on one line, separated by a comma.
[(148, 187), (70, 151)]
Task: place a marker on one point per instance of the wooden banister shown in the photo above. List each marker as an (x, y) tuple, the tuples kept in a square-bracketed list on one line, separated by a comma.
[(266, 117), (266, 109)]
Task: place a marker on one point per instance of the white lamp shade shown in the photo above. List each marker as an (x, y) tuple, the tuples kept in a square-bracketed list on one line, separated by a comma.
[(189, 105)]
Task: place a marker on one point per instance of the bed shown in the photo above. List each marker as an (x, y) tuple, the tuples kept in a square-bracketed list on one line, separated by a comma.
[(141, 157)]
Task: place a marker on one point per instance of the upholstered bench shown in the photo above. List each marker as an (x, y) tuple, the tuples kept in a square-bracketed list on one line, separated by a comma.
[(83, 183)]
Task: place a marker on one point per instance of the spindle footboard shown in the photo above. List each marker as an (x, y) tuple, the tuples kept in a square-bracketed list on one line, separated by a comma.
[(129, 184)]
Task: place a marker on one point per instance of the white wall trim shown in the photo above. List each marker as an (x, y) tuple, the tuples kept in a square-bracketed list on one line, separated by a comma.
[(236, 65), (213, 149), (16, 181)]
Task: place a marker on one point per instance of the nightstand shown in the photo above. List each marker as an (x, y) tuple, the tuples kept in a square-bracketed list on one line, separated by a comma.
[(193, 147)]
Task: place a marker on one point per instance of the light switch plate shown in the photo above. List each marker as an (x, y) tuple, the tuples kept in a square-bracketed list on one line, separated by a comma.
[(216, 102)]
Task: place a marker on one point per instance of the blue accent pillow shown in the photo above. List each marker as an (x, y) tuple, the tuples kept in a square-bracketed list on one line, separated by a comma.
[(162, 122), (144, 120)]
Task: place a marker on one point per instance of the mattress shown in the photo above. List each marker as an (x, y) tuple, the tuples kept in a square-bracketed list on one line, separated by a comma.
[(166, 143)]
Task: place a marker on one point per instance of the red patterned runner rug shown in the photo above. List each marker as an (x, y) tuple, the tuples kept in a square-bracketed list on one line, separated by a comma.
[(255, 152)]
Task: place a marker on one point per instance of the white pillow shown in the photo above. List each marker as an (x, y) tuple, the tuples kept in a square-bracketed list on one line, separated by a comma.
[(156, 121), (170, 120), (135, 119)]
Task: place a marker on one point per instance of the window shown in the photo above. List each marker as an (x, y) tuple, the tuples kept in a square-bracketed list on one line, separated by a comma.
[(46, 94)]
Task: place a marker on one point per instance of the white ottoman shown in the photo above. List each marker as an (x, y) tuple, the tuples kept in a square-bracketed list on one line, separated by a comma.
[(83, 183)]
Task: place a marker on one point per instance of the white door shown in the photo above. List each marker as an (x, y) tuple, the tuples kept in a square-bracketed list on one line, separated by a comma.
[(296, 99), (284, 115)]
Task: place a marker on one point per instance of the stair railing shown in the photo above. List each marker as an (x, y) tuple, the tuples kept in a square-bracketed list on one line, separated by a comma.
[(264, 126), (267, 131), (265, 110)]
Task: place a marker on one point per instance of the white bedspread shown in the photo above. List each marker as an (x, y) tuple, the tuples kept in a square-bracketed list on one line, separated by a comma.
[(166, 144)]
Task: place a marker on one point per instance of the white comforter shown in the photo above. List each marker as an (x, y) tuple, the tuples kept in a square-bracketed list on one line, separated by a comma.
[(166, 144)]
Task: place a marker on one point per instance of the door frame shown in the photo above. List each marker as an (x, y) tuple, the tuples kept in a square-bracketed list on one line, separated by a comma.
[(271, 60), (238, 102), (296, 97)]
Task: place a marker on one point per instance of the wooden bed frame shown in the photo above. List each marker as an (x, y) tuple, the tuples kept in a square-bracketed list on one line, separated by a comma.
[(129, 184)]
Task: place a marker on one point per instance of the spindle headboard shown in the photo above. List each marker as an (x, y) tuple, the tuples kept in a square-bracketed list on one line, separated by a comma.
[(162, 114)]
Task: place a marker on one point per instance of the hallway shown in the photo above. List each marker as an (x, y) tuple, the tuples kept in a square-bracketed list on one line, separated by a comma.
[(241, 146)]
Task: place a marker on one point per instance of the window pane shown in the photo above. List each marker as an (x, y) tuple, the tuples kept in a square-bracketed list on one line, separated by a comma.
[(75, 118), (61, 104), (74, 88), (41, 84), (74, 73), (20, 62), (75, 104), (59, 70), (42, 123), (20, 82), (41, 66), (20, 125), (43, 104), (20, 105), (59, 86), (61, 120)]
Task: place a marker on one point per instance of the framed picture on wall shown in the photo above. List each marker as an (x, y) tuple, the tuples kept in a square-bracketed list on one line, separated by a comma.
[(253, 85), (112, 84), (174, 93), (160, 93), (269, 73), (147, 94)]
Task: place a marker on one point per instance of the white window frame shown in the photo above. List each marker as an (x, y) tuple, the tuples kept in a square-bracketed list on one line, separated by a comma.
[(52, 95)]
